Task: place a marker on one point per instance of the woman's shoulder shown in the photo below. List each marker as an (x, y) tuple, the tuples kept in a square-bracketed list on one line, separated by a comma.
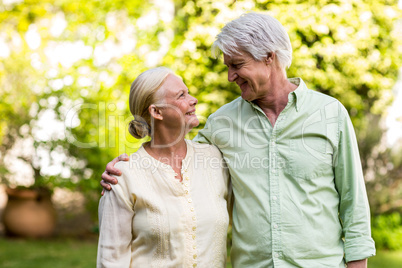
[(206, 148), (131, 176), (122, 165), (132, 165)]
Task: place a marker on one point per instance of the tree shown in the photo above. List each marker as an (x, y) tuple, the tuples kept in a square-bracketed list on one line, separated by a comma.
[(73, 62)]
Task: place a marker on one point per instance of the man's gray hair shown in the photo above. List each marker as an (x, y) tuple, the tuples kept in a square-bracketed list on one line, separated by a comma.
[(256, 34)]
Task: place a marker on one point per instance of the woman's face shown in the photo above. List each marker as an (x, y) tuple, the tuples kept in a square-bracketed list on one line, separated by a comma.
[(179, 105), (250, 75)]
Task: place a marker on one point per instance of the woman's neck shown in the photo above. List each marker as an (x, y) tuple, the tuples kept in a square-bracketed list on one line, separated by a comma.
[(168, 149), (167, 143)]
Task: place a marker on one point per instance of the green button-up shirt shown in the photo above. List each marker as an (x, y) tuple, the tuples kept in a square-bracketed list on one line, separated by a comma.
[(300, 198)]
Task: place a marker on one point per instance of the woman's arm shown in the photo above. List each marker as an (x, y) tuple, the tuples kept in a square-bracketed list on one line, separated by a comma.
[(115, 223)]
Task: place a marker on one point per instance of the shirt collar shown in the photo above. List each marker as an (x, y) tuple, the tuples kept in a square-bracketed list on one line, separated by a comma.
[(298, 93)]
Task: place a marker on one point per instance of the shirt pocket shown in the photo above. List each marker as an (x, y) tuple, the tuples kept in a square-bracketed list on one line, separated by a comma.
[(308, 161)]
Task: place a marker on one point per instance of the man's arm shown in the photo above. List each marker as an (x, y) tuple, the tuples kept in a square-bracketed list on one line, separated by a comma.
[(203, 136), (357, 264), (354, 210), (111, 170)]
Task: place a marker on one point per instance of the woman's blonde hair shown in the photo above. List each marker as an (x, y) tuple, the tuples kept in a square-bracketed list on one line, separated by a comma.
[(144, 93)]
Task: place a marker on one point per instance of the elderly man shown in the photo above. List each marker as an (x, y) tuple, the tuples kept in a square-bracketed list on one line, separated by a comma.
[(300, 198)]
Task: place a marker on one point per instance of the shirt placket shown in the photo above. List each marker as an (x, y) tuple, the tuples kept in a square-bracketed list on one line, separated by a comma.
[(274, 196), (192, 224), (274, 190), (275, 201), (274, 184)]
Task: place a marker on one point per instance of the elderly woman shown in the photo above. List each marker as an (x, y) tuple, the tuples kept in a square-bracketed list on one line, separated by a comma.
[(300, 198), (169, 208)]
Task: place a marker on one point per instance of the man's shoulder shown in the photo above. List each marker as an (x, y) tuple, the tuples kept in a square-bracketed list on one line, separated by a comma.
[(316, 99), (312, 95), (319, 94), (320, 98)]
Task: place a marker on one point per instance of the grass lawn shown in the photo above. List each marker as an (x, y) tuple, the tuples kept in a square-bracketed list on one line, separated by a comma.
[(383, 259), (61, 253), (57, 253)]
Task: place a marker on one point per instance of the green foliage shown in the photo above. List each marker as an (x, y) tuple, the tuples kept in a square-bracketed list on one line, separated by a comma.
[(348, 49), (387, 231), (389, 259)]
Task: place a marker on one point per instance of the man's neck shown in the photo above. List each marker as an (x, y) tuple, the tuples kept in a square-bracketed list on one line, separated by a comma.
[(276, 100)]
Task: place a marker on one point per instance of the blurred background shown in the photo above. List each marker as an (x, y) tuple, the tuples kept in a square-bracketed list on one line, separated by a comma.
[(65, 73)]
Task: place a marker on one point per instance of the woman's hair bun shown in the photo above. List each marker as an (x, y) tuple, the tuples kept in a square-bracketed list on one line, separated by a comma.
[(139, 128)]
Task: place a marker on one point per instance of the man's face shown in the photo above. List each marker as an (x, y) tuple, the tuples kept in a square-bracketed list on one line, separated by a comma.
[(250, 75)]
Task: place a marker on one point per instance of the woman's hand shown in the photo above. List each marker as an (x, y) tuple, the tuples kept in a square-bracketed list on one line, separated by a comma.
[(111, 170)]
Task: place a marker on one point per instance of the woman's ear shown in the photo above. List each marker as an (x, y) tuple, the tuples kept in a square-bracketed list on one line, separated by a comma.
[(269, 59), (155, 112)]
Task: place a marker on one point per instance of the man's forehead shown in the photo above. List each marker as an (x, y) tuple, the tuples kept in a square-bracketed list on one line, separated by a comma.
[(230, 58)]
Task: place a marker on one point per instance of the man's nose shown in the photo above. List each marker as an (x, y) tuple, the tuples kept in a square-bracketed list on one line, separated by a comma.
[(231, 75)]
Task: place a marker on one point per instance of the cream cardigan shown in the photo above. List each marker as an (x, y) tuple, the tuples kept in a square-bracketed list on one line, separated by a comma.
[(151, 219)]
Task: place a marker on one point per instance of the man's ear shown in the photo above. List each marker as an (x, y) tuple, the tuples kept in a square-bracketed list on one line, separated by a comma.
[(269, 59), (155, 112)]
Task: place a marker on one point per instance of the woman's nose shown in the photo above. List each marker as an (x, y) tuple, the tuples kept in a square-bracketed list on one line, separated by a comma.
[(193, 100)]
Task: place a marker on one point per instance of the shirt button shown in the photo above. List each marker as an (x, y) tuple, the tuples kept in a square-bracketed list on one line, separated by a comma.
[(276, 255), (194, 228), (194, 265), (189, 200), (193, 237), (275, 226), (195, 256), (274, 197), (194, 218)]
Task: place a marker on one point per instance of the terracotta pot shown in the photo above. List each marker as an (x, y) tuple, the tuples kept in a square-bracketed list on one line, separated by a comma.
[(29, 213)]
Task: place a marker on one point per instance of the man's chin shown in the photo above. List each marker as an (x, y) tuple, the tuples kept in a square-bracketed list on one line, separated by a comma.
[(246, 97)]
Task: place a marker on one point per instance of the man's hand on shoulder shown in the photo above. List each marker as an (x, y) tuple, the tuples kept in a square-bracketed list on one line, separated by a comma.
[(111, 170)]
